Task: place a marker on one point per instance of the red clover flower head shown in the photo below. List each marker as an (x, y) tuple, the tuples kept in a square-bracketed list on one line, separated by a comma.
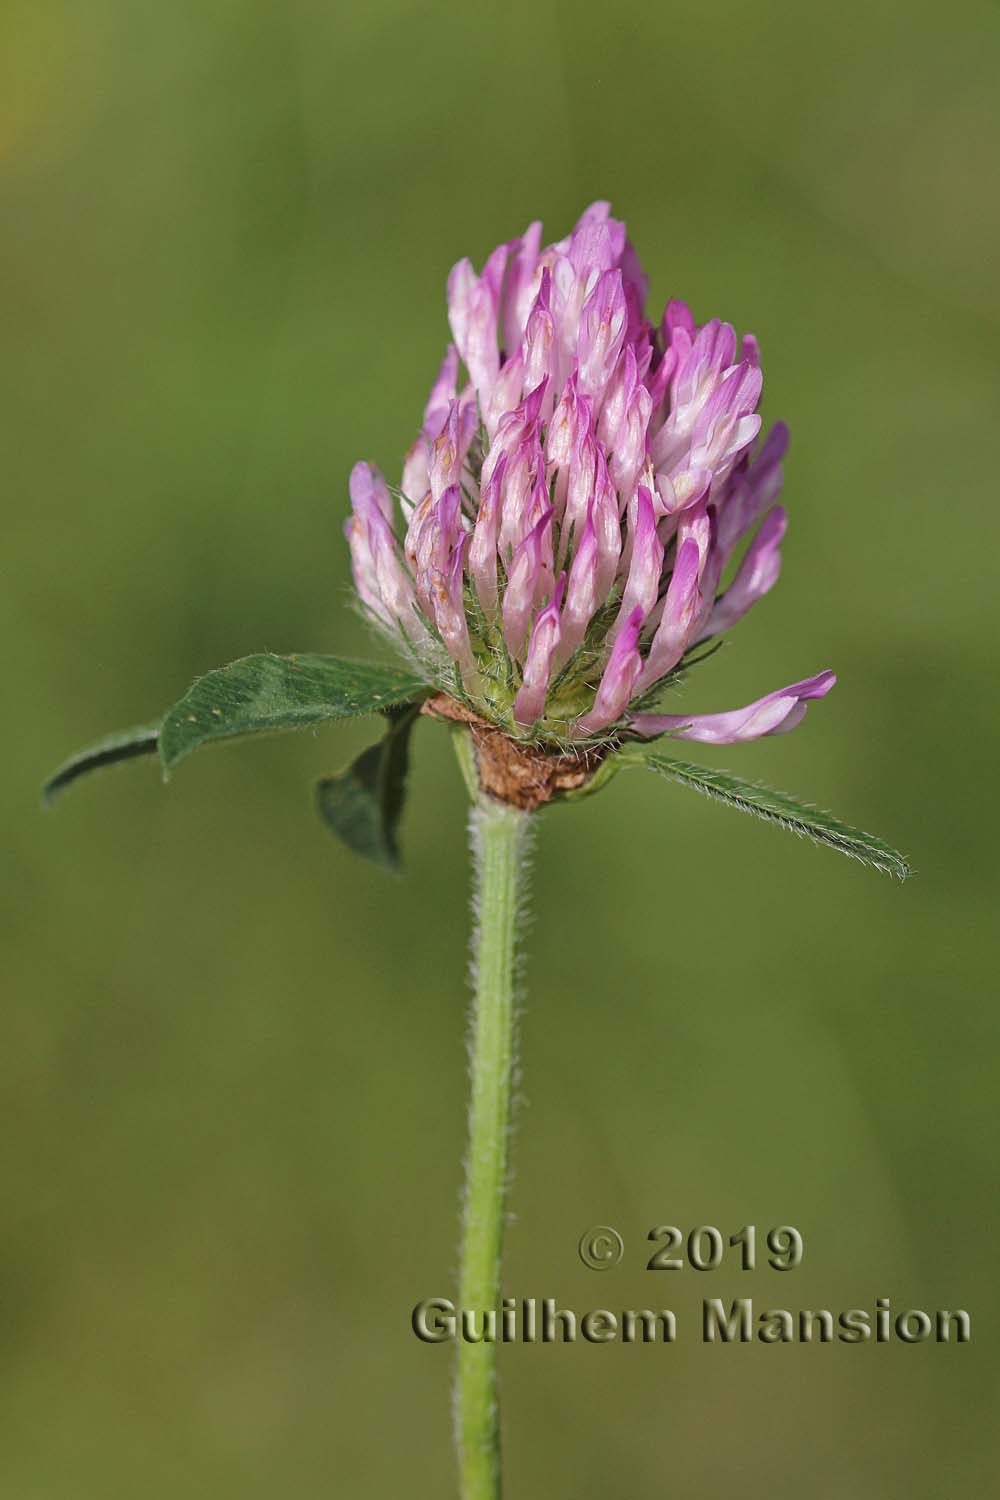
[(555, 552)]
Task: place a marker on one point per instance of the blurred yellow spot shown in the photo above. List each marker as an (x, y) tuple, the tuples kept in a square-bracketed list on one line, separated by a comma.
[(53, 73)]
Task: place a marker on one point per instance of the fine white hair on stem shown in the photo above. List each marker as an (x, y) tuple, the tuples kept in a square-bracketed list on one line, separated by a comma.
[(484, 808), (501, 837)]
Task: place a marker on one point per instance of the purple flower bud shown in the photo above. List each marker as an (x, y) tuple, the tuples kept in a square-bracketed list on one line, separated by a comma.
[(583, 596), (628, 457), (512, 430), (539, 510), (619, 679), (602, 329), (699, 372), (569, 292), (711, 355), (597, 241), (443, 393), (570, 424), (392, 583), (607, 527), (506, 393), (416, 481), (483, 547), (617, 397), (520, 480), (757, 575), (529, 705), (449, 449), (596, 246), (363, 568), (755, 491), (519, 285), (728, 423), (369, 492), (530, 577), (473, 305), (777, 713), (678, 324), (539, 357), (379, 576), (581, 478), (645, 567), (695, 524), (449, 608), (682, 606), (430, 541), (370, 501)]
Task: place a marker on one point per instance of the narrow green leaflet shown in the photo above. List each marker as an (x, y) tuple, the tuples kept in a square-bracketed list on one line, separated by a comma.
[(261, 694), (363, 803), (125, 745), (776, 807)]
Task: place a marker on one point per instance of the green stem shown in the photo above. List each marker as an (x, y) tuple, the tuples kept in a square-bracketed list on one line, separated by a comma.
[(500, 839)]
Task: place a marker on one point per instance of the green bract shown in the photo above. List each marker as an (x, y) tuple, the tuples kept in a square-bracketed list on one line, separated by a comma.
[(363, 803)]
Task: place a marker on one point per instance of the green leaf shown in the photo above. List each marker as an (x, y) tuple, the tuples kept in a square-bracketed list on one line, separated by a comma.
[(261, 694), (777, 807), (125, 745), (363, 803)]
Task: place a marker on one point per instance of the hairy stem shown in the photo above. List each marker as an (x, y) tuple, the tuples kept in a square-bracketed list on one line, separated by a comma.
[(500, 842)]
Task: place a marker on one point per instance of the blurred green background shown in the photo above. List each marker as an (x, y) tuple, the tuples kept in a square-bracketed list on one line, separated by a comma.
[(232, 1059)]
